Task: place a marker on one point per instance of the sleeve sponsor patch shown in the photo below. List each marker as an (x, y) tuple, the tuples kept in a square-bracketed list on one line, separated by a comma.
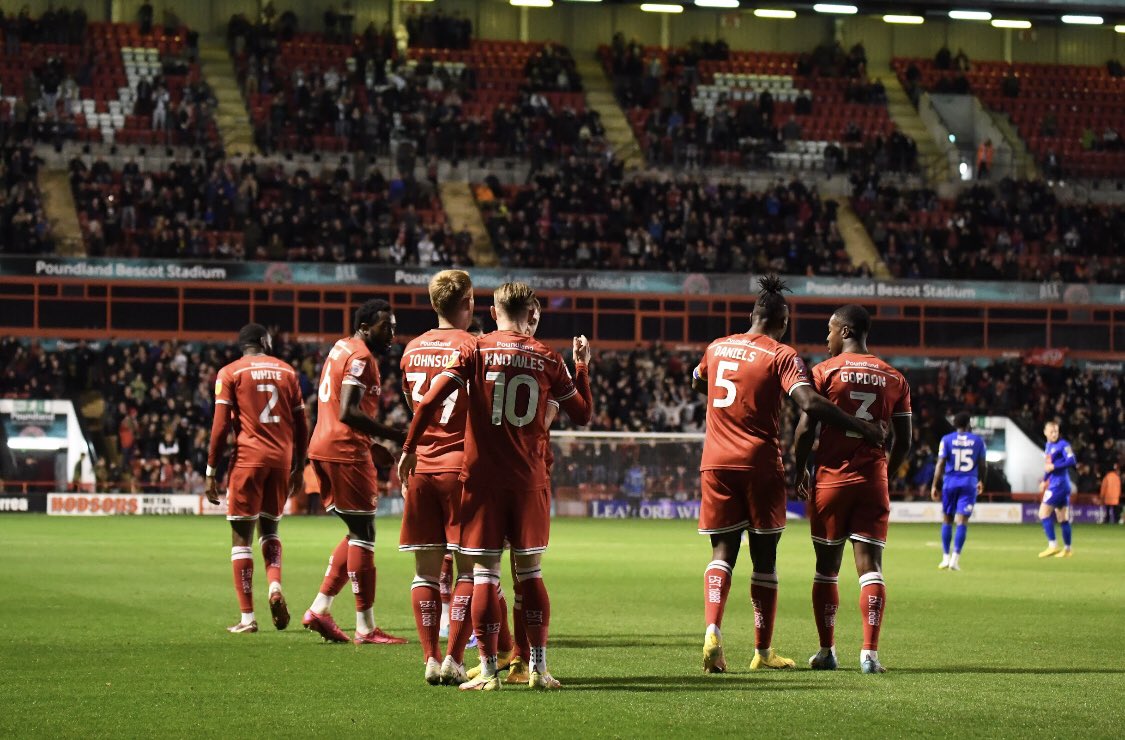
[(357, 367), (218, 386)]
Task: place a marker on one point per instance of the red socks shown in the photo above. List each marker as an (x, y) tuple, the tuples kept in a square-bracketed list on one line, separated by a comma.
[(337, 574), (486, 611), (445, 581), (361, 571), (716, 586), (242, 563), (536, 607), (271, 553), (460, 618), (825, 603), (763, 594), (872, 601), (519, 624), (426, 597)]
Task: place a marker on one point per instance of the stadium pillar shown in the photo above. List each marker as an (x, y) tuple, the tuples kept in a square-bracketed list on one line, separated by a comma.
[(525, 32), (665, 30), (396, 12), (1008, 45)]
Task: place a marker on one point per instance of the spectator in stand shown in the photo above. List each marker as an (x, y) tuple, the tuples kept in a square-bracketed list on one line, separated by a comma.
[(1111, 494), (985, 154), (23, 223)]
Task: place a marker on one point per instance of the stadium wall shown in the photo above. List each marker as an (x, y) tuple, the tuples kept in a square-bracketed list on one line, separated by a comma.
[(583, 28)]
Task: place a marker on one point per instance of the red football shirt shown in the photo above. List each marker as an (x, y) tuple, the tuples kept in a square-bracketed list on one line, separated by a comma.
[(513, 377), (746, 377), (441, 447), (264, 397), (870, 389), (348, 363)]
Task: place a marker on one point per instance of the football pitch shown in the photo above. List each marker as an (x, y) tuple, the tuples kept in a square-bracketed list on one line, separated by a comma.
[(115, 627)]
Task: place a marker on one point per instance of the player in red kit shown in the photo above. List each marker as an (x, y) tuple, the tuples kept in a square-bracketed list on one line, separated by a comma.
[(851, 499), (259, 398), (433, 494), (341, 451), (743, 481), (506, 494)]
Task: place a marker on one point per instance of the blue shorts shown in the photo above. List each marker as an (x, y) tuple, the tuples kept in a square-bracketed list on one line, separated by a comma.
[(1057, 497), (958, 499)]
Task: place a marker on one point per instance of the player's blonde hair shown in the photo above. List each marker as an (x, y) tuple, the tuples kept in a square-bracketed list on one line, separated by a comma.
[(516, 300), (447, 289)]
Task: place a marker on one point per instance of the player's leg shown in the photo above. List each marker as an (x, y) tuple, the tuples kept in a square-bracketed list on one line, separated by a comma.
[(318, 617), (486, 620), (517, 668), (723, 515), (484, 513), (962, 533), (273, 504), (765, 492), (529, 540), (460, 623), (362, 574), (1047, 519), (1063, 514), (445, 585), (242, 565), (244, 504), (425, 595), (946, 537), (826, 601), (872, 600), (423, 533)]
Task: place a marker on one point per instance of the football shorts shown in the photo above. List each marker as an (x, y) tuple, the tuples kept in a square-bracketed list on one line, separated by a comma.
[(254, 492), (1057, 497), (430, 515), (347, 487), (736, 499), (857, 511), (958, 500), (492, 514)]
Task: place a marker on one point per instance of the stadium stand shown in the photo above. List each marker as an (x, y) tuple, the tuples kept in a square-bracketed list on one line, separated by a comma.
[(586, 215), (23, 225), (1013, 230), (1070, 116), (249, 210), (312, 92), (706, 105), (157, 398), (103, 82)]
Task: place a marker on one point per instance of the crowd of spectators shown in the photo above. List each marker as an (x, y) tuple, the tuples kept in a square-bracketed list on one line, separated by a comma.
[(152, 434), (23, 224), (242, 209), (1013, 230), (585, 214), (62, 26)]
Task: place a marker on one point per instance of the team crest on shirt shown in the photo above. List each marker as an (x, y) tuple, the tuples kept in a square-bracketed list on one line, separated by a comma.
[(218, 386), (357, 367)]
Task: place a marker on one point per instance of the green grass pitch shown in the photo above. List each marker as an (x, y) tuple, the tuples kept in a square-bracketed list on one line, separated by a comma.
[(114, 627)]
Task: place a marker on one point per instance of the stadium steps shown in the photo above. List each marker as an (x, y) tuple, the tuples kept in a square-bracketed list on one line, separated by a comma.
[(857, 241), (1024, 164), (936, 167), (600, 97), (231, 116), (62, 214), (464, 215)]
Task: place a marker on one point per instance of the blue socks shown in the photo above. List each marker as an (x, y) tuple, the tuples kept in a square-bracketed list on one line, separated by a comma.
[(1065, 527), (946, 537), (1049, 528), (959, 540)]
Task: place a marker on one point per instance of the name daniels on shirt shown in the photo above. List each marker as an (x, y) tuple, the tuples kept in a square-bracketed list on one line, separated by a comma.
[(736, 353), (520, 361), (421, 360)]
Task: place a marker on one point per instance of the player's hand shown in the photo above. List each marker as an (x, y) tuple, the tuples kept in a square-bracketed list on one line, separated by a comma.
[(582, 349), (875, 434), (296, 482), (980, 488), (1049, 466), (1042, 486), (211, 490), (935, 494), (804, 485), (406, 466)]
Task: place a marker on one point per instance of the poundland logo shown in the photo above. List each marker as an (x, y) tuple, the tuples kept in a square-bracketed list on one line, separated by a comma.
[(13, 504)]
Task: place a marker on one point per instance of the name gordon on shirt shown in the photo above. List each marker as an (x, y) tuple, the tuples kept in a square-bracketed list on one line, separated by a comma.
[(852, 376)]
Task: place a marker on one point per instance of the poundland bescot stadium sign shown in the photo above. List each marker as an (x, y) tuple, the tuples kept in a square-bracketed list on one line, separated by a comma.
[(666, 283)]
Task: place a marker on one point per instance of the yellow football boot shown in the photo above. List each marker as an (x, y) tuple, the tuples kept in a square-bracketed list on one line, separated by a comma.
[(1067, 553), (772, 660), (1050, 551), (503, 660), (517, 672), (713, 660)]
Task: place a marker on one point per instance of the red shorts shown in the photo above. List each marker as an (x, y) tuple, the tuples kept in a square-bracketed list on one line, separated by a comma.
[(750, 498), (254, 492), (858, 511), (430, 514), (348, 488), (491, 515)]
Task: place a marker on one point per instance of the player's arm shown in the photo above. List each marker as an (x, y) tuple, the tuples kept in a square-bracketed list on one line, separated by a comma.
[(1069, 460), (351, 394), (982, 469), (579, 404), (441, 388), (699, 381), (552, 412), (406, 395), (300, 441), (939, 472), (819, 408), (900, 445), (804, 438), (220, 429)]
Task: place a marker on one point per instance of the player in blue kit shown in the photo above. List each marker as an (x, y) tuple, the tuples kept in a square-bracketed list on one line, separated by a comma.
[(958, 480), (1056, 491)]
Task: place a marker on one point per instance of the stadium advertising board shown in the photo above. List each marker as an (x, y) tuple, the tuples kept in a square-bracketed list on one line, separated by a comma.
[(601, 281), (122, 504), (32, 503), (661, 509)]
